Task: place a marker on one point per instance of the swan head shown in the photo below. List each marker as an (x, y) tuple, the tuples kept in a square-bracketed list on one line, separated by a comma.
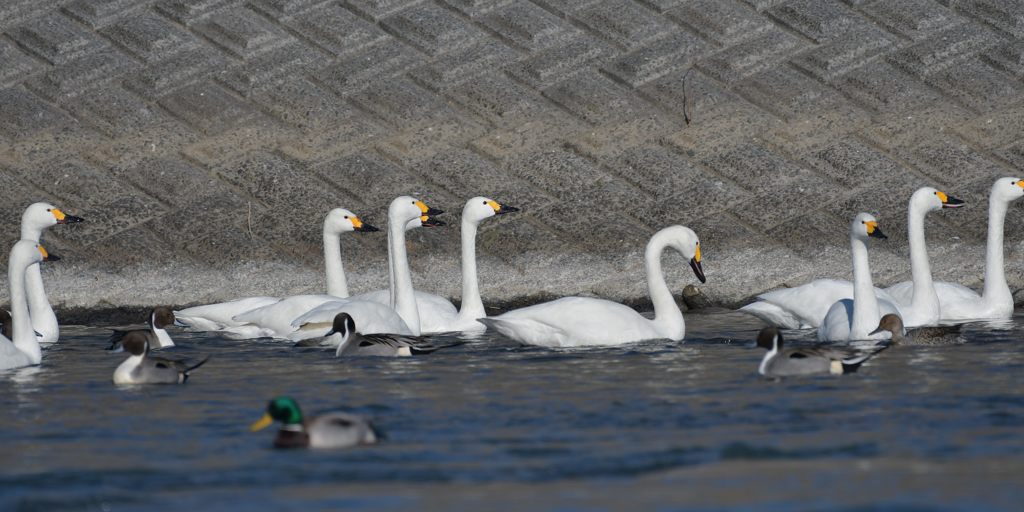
[(769, 338), (890, 322), (40, 216), (340, 220), (929, 199), (1008, 189), (480, 208), (406, 208), (684, 241), (284, 409), (865, 225), (30, 253), (161, 317)]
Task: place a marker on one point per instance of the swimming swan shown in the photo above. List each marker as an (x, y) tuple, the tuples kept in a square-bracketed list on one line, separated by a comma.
[(438, 314), (582, 321), (221, 316), (37, 217), (959, 303), (805, 306), (854, 319), (22, 349), (403, 213)]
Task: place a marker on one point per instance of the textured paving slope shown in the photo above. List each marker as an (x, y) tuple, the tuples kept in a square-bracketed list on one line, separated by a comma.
[(205, 139)]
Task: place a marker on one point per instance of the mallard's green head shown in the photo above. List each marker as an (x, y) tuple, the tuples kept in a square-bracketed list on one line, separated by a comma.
[(283, 409)]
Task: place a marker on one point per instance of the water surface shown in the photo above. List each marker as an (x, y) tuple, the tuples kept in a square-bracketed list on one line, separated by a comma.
[(491, 425)]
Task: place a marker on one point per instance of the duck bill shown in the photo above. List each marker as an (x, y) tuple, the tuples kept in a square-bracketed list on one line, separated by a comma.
[(952, 202), (877, 233), (115, 347), (261, 423), (876, 331), (698, 270)]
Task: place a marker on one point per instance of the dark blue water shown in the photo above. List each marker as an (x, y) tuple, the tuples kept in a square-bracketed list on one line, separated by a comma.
[(490, 425)]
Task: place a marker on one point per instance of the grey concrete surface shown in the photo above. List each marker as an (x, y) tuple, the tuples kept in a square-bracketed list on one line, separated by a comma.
[(205, 139)]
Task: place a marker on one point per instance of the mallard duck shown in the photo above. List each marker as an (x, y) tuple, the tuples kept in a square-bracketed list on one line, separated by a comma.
[(329, 430)]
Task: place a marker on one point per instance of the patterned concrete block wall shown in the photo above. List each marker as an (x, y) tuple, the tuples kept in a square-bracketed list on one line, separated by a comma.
[(205, 139)]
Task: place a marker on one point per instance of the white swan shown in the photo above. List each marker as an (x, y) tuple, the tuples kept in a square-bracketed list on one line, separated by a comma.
[(805, 306), (438, 314), (854, 319), (220, 316), (917, 298), (23, 349), (582, 321), (403, 213), (959, 303), (37, 217)]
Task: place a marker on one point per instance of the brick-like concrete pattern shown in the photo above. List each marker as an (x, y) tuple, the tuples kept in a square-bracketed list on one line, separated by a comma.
[(205, 139)]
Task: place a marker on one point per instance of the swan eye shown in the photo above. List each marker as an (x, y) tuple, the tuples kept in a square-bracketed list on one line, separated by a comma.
[(485, 202), (346, 216)]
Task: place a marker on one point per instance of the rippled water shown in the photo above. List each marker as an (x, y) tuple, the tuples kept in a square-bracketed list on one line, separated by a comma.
[(490, 425)]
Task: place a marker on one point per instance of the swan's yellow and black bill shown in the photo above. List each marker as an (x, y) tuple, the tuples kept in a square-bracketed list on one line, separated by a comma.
[(949, 201), (874, 231), (501, 209), (47, 256), (63, 218), (430, 222), (428, 210), (1020, 183), (698, 270), (361, 226), (261, 423)]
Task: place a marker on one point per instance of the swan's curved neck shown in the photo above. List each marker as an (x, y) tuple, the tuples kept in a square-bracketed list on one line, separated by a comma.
[(865, 304), (24, 336), (667, 315), (996, 288), (472, 305), (920, 268), (403, 298), (336, 284)]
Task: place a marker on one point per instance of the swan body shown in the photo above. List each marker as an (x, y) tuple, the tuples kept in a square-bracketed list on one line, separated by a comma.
[(36, 218), (805, 306), (22, 349), (221, 316), (582, 321), (792, 362), (438, 314), (958, 303), (854, 319), (327, 430)]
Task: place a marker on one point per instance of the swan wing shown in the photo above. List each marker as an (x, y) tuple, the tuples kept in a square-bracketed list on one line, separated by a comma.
[(574, 322), (773, 315), (437, 314), (277, 318), (370, 318), (956, 300), (212, 317), (810, 302), (902, 292)]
